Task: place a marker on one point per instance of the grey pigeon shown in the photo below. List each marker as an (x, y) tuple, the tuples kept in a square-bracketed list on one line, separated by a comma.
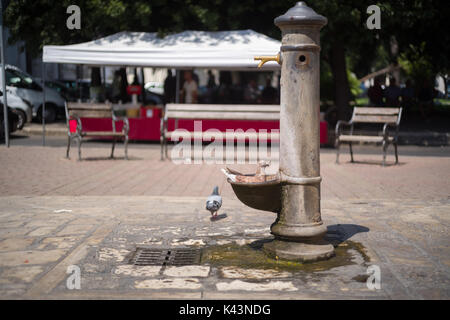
[(214, 202)]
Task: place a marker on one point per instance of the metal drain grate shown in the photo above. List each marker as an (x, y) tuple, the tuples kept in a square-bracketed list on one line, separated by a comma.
[(166, 257)]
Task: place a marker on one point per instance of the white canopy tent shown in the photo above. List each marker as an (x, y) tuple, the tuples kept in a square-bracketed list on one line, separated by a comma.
[(225, 50)]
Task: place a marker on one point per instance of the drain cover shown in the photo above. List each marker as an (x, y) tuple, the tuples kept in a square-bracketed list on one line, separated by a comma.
[(166, 257)]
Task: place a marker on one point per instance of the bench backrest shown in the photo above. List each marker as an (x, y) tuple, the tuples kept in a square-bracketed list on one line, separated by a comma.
[(88, 110), (376, 115), (222, 111)]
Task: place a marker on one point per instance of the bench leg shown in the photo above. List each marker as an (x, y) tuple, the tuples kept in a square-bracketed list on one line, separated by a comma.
[(165, 148), (396, 154), (385, 145), (126, 147), (113, 146), (79, 148), (161, 140), (337, 145), (351, 152), (68, 147)]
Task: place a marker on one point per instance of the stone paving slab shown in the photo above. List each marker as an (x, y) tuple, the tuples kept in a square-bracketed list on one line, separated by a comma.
[(55, 213), (407, 239), (43, 171)]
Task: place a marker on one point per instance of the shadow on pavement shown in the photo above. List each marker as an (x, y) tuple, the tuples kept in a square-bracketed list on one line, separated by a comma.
[(218, 217), (109, 158), (336, 234), (377, 163)]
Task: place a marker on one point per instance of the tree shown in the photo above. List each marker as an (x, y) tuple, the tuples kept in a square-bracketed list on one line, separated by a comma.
[(43, 22), (404, 25), (421, 30)]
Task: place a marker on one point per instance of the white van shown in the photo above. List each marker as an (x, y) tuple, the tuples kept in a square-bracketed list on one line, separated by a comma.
[(22, 108), (22, 84)]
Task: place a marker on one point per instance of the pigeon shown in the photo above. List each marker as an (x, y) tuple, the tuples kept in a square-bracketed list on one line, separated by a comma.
[(214, 202)]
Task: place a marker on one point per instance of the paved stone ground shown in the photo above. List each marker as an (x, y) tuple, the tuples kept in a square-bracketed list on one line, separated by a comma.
[(55, 213), (33, 170)]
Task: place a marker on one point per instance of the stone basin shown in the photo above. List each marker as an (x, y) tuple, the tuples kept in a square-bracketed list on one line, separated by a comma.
[(261, 192)]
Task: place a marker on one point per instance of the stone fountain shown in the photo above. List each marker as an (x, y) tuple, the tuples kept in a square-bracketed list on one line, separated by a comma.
[(294, 192)]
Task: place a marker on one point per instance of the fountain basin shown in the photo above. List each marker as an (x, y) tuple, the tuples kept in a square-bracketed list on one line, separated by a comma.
[(261, 192)]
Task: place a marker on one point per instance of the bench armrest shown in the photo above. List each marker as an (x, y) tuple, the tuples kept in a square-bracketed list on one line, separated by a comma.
[(79, 126), (126, 123), (340, 124), (162, 127)]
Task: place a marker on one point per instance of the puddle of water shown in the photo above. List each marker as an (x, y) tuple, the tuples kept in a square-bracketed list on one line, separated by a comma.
[(251, 256)]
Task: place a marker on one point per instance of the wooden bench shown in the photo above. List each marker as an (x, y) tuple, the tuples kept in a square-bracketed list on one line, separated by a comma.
[(214, 111), (390, 117), (76, 111)]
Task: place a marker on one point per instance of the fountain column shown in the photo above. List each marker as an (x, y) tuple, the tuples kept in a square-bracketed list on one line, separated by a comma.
[(299, 229)]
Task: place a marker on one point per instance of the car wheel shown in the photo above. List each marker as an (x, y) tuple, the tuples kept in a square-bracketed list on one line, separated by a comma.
[(50, 114), (22, 119)]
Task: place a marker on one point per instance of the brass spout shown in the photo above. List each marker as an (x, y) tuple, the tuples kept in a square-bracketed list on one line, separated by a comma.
[(265, 59)]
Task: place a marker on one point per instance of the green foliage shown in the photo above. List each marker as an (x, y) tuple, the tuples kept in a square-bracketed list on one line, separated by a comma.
[(43, 22), (420, 28), (354, 84), (326, 82), (442, 105), (411, 22), (417, 64)]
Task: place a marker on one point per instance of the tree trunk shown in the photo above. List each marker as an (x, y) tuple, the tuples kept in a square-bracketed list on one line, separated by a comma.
[(341, 85), (394, 57)]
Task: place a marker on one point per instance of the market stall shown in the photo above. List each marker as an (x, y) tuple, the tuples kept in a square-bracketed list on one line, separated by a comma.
[(222, 50)]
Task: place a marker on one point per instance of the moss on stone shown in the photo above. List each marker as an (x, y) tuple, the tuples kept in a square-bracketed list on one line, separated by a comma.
[(251, 256)]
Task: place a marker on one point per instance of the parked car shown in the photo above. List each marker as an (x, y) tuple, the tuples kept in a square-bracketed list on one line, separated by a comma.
[(23, 85), (67, 92), (13, 119), (74, 87), (22, 108)]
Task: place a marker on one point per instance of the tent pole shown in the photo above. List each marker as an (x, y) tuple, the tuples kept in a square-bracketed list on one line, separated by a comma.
[(79, 81), (104, 81), (43, 103), (5, 105)]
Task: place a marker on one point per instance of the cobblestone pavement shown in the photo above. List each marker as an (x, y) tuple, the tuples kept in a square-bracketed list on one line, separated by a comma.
[(45, 171), (56, 213)]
